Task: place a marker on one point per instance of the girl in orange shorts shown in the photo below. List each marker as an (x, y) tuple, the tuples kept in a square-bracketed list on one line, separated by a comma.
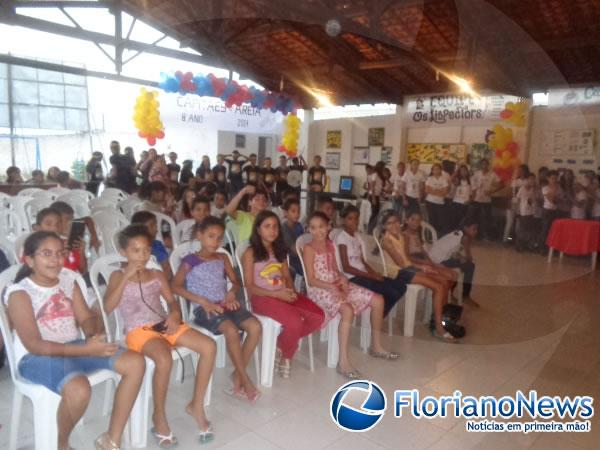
[(136, 291)]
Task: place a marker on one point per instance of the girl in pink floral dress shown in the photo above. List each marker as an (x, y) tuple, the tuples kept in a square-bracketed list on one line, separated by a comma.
[(335, 295)]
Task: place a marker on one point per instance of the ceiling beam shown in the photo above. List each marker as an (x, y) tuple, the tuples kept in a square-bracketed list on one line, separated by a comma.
[(59, 4)]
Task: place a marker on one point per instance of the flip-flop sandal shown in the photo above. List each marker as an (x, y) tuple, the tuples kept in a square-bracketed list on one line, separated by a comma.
[(206, 436), (390, 356), (236, 393), (161, 439), (254, 396), (350, 374)]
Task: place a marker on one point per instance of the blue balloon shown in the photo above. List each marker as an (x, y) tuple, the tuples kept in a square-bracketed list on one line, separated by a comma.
[(229, 90)]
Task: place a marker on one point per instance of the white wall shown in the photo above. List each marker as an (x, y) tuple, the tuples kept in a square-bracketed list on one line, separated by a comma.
[(226, 144), (354, 133)]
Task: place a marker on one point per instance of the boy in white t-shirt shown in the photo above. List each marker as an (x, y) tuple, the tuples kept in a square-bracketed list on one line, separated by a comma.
[(579, 202), (413, 186), (526, 203), (485, 184)]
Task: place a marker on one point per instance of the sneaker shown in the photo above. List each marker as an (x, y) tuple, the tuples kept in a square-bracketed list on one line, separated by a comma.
[(285, 367)]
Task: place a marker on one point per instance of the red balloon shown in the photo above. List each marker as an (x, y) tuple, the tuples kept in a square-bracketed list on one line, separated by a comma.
[(179, 74), (513, 148), (506, 114), (281, 149), (141, 134), (160, 134), (218, 85), (151, 140), (499, 152)]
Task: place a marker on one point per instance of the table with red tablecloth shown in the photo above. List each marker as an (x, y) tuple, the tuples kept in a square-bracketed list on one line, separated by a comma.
[(574, 237)]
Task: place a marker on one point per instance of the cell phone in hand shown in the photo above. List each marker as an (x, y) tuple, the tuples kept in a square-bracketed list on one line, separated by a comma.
[(77, 232)]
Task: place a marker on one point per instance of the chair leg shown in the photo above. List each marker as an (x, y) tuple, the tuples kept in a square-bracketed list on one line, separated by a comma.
[(323, 335), (108, 395), (139, 420), (333, 349), (459, 287), (15, 419), (311, 359), (365, 329), (44, 422), (221, 352), (269, 344), (410, 309)]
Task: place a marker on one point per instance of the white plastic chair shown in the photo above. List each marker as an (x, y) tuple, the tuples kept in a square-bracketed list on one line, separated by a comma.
[(11, 224), (175, 259), (107, 226), (333, 349), (414, 292), (183, 230), (8, 248), (33, 206), (45, 402), (140, 415), (58, 190), (160, 218), (97, 203), (51, 196), (17, 205), (127, 206), (114, 194), (4, 200), (428, 234), (18, 246), (78, 200), (28, 192), (271, 329)]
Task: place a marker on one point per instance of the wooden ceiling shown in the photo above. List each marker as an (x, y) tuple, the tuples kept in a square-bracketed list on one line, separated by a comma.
[(389, 49)]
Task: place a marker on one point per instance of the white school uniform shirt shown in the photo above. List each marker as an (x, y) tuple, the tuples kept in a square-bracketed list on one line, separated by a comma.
[(396, 181), (578, 212), (484, 182), (547, 203), (462, 193), (526, 199), (515, 186), (440, 182), (353, 249), (414, 183)]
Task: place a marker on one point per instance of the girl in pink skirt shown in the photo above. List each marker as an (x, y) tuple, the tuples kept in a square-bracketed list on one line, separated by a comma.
[(334, 294)]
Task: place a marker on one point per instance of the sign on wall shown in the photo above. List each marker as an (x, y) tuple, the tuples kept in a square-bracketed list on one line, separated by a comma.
[(453, 109), (587, 95), (195, 113)]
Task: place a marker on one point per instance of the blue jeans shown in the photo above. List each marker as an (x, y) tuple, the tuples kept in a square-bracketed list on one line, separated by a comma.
[(54, 372)]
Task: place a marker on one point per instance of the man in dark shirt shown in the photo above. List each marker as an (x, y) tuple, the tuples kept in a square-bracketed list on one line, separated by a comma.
[(281, 183), (186, 172), (316, 182), (123, 166), (268, 176), (95, 174), (219, 172), (252, 171), (173, 167), (236, 181)]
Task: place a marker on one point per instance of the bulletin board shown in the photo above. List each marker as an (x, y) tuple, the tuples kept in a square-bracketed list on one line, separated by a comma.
[(436, 153), (570, 149)]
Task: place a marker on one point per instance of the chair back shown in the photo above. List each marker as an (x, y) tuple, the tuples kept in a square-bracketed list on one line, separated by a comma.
[(9, 249), (300, 243), (6, 278), (108, 225), (428, 233), (11, 224), (127, 206), (183, 230), (28, 192), (239, 253), (382, 256), (78, 200), (113, 194)]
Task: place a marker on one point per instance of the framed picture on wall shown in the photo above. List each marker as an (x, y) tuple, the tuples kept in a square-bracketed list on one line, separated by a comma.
[(386, 155), (376, 137), (360, 155), (332, 160), (334, 139), (240, 141)]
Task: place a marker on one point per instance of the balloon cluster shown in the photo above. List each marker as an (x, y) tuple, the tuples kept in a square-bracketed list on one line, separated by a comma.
[(506, 150), (146, 117), (515, 113), (289, 140), (230, 91)]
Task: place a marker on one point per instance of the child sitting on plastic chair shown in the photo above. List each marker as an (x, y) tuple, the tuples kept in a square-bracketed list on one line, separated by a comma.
[(47, 308), (154, 332), (202, 279)]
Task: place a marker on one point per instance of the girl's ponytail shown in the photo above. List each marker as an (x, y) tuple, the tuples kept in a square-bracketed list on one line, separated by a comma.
[(30, 247)]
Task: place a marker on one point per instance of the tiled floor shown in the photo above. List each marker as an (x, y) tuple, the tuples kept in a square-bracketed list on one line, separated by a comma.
[(538, 328)]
